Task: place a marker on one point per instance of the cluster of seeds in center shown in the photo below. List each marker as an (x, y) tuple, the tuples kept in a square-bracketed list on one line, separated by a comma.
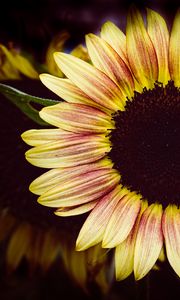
[(146, 144)]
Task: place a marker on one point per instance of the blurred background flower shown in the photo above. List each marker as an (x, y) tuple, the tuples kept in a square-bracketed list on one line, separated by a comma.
[(29, 32)]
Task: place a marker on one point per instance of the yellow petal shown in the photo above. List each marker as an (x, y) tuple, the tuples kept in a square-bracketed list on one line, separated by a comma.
[(171, 230), (49, 249), (69, 153), (78, 118), (68, 91), (81, 52), (33, 252), (159, 34), (37, 137), (106, 59), (25, 67), (149, 241), (7, 69), (91, 81), (7, 223), (140, 50), (57, 44), (76, 210), (82, 189), (93, 229), (115, 38), (124, 253), (174, 50), (20, 63), (58, 176), (75, 264), (18, 245), (122, 220), (124, 258)]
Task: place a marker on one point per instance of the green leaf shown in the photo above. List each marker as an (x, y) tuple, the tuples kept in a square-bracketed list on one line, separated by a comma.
[(23, 102)]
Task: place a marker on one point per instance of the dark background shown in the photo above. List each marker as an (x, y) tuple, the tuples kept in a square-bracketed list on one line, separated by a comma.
[(31, 25)]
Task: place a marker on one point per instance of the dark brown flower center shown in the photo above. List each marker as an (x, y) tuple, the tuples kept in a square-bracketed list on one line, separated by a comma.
[(146, 144)]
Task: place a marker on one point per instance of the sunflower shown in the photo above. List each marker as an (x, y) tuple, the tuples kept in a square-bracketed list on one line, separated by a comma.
[(115, 151)]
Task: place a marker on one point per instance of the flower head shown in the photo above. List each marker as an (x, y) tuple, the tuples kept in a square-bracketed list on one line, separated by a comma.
[(115, 151)]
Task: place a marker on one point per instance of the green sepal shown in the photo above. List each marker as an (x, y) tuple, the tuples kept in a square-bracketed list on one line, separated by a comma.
[(23, 102)]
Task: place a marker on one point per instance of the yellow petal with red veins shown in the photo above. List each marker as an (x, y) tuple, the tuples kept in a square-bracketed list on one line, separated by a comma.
[(159, 34), (78, 118), (68, 91), (124, 258), (106, 59), (115, 38), (81, 189), (124, 254), (76, 210), (171, 230), (58, 176), (174, 50), (141, 54), (91, 81), (149, 241), (37, 137), (122, 220), (92, 231), (72, 152)]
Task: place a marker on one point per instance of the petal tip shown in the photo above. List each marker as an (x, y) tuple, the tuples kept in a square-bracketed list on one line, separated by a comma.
[(80, 247), (23, 136)]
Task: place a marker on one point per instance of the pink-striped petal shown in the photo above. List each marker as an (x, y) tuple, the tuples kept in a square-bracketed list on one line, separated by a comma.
[(81, 189), (68, 91), (77, 118), (115, 38), (106, 59), (76, 210), (141, 54), (91, 81), (37, 137), (72, 152), (149, 241), (159, 34), (58, 176), (124, 258), (93, 229), (171, 230), (124, 253), (174, 50), (122, 220)]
